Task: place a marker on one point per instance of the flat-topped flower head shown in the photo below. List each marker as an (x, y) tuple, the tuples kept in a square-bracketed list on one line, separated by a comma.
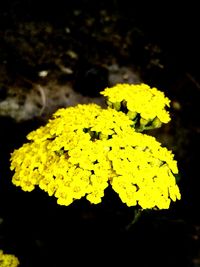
[(84, 149), (67, 157), (143, 171), (145, 105)]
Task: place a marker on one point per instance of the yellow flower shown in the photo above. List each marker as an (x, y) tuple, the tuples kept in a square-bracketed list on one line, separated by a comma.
[(84, 149), (8, 260), (146, 106), (144, 171)]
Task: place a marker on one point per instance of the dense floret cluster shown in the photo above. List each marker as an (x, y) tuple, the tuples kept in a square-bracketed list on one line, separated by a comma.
[(8, 260), (84, 149), (146, 106)]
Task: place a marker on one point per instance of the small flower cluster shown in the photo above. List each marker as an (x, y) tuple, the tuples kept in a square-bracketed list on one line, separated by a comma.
[(143, 104), (84, 149), (8, 260)]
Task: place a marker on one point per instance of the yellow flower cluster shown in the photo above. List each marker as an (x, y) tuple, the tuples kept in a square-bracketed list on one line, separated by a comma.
[(8, 260), (145, 105), (144, 171), (84, 149)]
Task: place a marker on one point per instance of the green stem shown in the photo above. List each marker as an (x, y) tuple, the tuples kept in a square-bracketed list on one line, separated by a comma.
[(137, 215)]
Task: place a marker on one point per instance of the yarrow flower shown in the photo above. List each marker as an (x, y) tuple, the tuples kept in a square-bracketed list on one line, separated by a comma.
[(8, 260), (84, 149), (143, 104)]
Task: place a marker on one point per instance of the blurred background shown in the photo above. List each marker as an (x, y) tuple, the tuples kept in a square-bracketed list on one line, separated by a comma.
[(60, 53)]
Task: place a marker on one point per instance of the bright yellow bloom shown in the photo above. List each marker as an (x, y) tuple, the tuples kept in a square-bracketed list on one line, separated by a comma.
[(144, 171), (84, 149), (8, 260), (145, 105)]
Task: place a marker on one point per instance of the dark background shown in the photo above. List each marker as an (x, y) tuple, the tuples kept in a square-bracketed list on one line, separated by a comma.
[(157, 41)]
